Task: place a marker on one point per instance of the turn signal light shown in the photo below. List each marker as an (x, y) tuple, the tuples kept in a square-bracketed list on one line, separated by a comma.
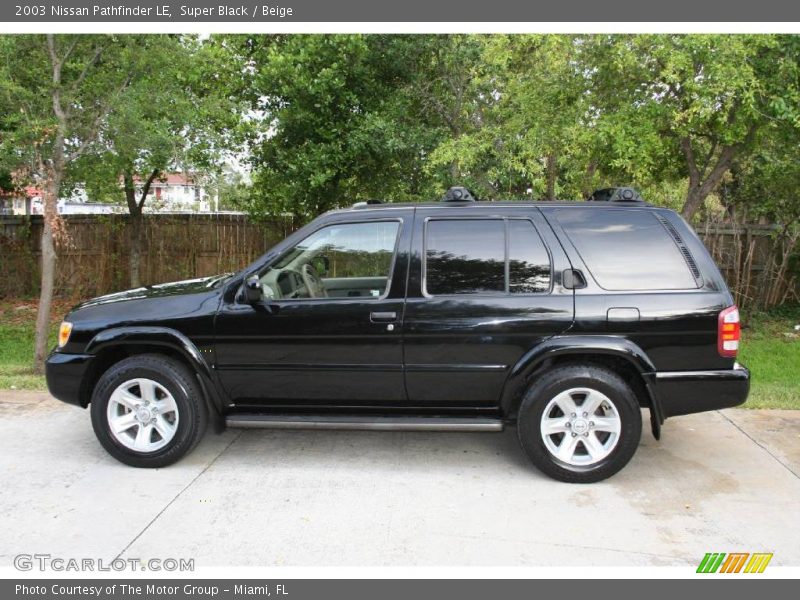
[(63, 333), (729, 332)]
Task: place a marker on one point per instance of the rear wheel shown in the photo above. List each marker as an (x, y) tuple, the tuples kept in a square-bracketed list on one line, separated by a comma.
[(580, 424), (148, 411)]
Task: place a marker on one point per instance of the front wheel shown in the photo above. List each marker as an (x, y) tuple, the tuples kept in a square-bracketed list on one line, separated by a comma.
[(580, 424), (148, 411)]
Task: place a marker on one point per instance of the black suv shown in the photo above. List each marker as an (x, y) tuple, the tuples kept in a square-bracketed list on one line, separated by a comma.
[(563, 318)]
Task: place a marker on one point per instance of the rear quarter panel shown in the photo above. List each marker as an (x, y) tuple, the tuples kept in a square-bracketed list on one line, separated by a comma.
[(677, 329)]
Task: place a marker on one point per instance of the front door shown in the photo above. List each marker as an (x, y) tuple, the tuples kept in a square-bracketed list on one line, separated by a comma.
[(329, 330)]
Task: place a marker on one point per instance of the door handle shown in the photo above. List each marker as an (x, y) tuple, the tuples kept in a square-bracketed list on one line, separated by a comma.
[(382, 317)]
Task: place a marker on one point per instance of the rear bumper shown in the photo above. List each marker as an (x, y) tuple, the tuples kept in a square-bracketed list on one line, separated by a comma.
[(65, 375), (686, 392)]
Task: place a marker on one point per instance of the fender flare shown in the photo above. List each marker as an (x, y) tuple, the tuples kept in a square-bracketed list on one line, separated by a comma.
[(169, 338), (559, 346)]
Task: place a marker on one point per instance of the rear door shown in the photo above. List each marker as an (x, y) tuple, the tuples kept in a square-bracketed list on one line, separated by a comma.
[(482, 292)]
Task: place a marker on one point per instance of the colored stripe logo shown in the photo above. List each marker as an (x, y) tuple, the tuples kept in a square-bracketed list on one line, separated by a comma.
[(734, 562)]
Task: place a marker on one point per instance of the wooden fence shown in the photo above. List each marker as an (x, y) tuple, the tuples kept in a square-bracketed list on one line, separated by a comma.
[(97, 259), (760, 262)]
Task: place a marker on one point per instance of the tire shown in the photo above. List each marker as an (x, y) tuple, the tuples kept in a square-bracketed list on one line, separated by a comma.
[(598, 444), (171, 417)]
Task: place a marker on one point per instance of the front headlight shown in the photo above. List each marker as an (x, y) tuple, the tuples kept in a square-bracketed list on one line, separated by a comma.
[(63, 333)]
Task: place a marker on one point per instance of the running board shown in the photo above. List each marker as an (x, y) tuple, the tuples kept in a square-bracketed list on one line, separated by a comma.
[(356, 422)]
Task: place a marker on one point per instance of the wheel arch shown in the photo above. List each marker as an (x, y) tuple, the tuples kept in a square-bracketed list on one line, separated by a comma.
[(112, 345), (620, 355)]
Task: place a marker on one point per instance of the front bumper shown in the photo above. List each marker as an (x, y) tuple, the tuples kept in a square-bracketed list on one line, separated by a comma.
[(686, 392), (65, 374)]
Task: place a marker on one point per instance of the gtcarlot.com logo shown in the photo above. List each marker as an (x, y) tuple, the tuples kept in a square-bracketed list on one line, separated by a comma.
[(734, 562), (48, 562)]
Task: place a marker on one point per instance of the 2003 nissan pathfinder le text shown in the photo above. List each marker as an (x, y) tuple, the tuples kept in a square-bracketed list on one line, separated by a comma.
[(563, 319)]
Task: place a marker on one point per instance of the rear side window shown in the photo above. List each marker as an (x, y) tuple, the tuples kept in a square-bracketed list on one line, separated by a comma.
[(627, 250), (465, 256), (485, 256), (528, 261)]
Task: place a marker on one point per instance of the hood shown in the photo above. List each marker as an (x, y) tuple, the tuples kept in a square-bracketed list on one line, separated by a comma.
[(161, 290)]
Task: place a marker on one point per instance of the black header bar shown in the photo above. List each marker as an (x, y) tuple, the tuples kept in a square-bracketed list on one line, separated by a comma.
[(440, 11)]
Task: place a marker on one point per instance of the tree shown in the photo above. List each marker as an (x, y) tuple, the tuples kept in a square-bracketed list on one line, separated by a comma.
[(180, 114), (59, 90), (690, 105), (457, 94), (339, 123), (530, 126)]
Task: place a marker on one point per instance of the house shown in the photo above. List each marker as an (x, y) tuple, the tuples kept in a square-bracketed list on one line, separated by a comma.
[(27, 201), (175, 192), (73, 207), (171, 193)]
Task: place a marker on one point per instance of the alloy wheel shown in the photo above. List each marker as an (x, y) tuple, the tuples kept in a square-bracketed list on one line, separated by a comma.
[(580, 427), (142, 415)]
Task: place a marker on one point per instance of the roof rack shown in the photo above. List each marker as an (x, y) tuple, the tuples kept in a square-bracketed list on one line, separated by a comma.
[(367, 203), (458, 194), (615, 194)]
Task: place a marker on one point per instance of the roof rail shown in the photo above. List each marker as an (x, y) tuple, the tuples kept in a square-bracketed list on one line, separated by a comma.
[(367, 203)]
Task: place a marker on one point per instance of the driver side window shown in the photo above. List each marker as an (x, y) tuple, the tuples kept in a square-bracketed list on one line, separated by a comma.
[(344, 260)]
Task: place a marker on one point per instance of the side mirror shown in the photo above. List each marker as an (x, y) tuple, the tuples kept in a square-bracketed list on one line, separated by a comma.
[(573, 279), (253, 291)]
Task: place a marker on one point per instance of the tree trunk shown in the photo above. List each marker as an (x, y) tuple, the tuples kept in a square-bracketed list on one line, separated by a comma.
[(702, 179), (48, 272), (134, 231), (588, 182), (135, 209), (455, 173), (695, 197), (136, 249), (552, 175), (52, 173)]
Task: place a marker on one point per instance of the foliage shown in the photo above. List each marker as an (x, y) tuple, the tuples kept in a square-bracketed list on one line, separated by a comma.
[(765, 184), (233, 190), (94, 70), (180, 114), (346, 118), (55, 93), (538, 134), (679, 106), (328, 120), (339, 122)]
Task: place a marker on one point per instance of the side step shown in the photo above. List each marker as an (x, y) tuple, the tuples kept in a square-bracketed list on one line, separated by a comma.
[(358, 422)]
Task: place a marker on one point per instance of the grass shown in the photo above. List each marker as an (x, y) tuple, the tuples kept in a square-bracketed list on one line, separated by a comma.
[(16, 343), (770, 349)]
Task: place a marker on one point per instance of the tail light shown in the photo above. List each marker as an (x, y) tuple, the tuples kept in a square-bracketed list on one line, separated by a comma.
[(728, 332)]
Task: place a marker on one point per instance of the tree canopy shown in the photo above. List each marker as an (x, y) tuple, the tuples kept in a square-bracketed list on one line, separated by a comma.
[(327, 120), (346, 118)]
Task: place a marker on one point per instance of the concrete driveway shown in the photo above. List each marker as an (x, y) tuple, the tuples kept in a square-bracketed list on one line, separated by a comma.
[(718, 482)]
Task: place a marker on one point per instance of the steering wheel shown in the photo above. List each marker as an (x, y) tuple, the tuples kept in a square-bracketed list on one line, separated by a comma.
[(313, 282)]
